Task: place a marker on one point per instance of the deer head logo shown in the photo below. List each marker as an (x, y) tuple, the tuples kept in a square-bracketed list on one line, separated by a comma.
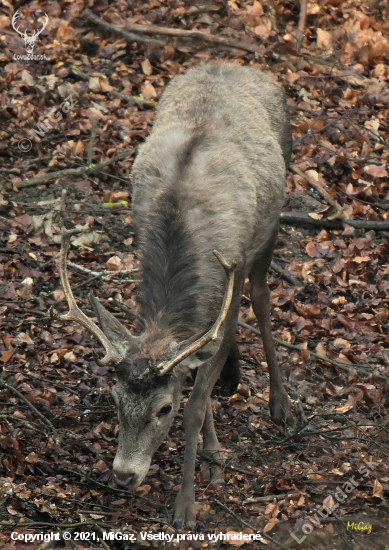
[(28, 40)]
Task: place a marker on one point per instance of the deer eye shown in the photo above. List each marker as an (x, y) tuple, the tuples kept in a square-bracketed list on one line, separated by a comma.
[(166, 409)]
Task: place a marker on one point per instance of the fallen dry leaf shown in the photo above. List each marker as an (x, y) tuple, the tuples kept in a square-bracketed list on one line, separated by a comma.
[(378, 490), (270, 525), (376, 171)]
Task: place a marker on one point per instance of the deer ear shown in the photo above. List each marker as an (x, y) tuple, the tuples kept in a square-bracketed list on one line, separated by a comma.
[(120, 338)]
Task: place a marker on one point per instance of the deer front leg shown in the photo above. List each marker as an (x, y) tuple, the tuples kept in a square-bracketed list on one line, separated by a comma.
[(211, 445), (194, 419), (194, 412)]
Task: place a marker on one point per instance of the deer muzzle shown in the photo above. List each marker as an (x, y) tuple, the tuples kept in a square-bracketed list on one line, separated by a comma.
[(129, 474)]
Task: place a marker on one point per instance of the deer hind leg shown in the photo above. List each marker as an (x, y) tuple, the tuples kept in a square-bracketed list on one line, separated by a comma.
[(260, 297), (211, 446), (230, 376)]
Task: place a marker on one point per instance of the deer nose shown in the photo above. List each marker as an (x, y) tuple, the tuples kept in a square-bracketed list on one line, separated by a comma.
[(123, 478)]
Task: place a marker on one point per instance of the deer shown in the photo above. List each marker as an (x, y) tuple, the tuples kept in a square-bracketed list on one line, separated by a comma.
[(207, 191)]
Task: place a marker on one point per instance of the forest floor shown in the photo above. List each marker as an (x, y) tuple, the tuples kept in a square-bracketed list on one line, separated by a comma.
[(326, 485)]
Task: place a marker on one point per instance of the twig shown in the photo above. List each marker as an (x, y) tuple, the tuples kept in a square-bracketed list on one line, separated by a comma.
[(384, 354), (319, 188), (136, 98), (102, 542), (59, 525), (299, 217), (287, 276), (77, 72), (9, 417), (129, 36), (300, 411), (269, 498), (47, 177), (167, 31), (380, 205), (311, 130), (87, 281), (117, 490), (81, 171), (299, 430), (105, 275), (6, 385), (93, 133), (302, 23), (243, 522), (343, 366), (212, 460), (59, 437)]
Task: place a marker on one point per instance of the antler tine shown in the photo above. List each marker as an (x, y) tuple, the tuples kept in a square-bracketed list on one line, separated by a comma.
[(75, 314), (213, 332), (16, 16), (38, 32)]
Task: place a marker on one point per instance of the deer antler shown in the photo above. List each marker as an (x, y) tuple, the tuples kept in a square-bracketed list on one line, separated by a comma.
[(213, 332), (16, 16), (37, 33), (75, 314)]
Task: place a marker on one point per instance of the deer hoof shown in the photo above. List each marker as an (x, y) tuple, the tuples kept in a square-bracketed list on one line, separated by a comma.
[(185, 511), (212, 473), (280, 410)]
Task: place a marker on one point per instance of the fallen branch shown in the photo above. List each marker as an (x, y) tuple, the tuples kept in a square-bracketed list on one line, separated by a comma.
[(7, 386), (381, 205), (81, 171), (287, 276), (270, 498), (302, 23), (345, 367), (95, 125), (136, 98), (105, 275), (59, 525), (300, 217), (129, 36), (167, 31), (303, 15), (213, 460), (319, 188)]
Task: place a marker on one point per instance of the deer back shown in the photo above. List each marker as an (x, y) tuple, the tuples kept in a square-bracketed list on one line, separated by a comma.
[(220, 144)]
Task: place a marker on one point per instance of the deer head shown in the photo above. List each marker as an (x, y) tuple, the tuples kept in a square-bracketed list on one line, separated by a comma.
[(28, 40), (149, 385)]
